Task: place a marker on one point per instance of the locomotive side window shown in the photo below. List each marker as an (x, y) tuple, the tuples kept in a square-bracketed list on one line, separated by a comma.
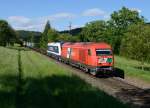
[(53, 49), (100, 52), (89, 52), (56, 49), (50, 48)]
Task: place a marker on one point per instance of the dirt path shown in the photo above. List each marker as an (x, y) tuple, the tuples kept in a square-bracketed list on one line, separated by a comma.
[(136, 97), (138, 82)]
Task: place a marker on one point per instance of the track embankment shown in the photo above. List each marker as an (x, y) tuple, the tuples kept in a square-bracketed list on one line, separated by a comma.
[(127, 93)]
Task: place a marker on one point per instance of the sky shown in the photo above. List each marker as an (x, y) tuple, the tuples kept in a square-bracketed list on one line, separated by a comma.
[(33, 14)]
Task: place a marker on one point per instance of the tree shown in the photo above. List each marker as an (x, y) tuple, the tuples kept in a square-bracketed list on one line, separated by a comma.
[(8, 36), (52, 35), (93, 31), (25, 36), (136, 43), (119, 23), (44, 38), (65, 37)]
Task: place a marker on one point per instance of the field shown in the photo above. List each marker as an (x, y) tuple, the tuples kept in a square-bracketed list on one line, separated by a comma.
[(132, 68), (30, 80)]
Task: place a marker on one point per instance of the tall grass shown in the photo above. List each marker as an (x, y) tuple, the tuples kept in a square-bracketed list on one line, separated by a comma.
[(41, 83), (132, 68), (47, 84), (8, 77), (8, 61), (36, 65)]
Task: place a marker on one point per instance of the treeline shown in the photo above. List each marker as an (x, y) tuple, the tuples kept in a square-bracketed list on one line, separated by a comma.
[(29, 37), (126, 31), (8, 36)]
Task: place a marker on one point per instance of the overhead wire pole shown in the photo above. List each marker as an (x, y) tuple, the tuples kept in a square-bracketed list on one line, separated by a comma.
[(70, 27)]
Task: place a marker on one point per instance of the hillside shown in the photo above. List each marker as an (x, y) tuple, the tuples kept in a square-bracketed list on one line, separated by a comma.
[(73, 32)]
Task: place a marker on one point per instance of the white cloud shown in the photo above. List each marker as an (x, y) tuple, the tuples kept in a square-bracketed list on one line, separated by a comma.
[(136, 9), (94, 12), (58, 16), (24, 23), (19, 19), (36, 24), (62, 16)]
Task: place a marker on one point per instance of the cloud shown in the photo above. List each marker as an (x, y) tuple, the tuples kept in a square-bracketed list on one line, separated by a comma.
[(94, 12), (24, 23), (62, 16), (36, 24), (20, 19), (136, 9), (58, 16)]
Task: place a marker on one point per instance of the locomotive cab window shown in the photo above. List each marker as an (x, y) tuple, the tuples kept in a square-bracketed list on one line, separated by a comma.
[(53, 49), (100, 52), (89, 52)]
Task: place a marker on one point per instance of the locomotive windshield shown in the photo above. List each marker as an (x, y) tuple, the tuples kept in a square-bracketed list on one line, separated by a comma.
[(100, 52)]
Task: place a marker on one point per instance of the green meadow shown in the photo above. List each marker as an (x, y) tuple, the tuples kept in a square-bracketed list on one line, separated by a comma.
[(31, 80)]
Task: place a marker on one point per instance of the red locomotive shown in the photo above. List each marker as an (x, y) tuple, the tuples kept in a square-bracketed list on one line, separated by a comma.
[(92, 57)]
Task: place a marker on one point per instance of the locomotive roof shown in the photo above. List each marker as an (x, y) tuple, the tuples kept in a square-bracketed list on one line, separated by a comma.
[(87, 44)]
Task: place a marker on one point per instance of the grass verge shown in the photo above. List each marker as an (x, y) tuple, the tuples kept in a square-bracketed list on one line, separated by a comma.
[(131, 68)]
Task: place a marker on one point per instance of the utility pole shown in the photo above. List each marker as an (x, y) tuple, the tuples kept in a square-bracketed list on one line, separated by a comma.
[(70, 27)]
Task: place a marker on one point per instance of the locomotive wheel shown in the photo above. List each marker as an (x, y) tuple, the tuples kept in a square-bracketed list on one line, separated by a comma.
[(93, 73), (86, 70)]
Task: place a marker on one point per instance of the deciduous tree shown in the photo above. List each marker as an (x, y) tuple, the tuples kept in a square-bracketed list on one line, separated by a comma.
[(136, 43)]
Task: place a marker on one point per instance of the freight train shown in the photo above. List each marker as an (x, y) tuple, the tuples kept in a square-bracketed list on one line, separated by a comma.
[(95, 58)]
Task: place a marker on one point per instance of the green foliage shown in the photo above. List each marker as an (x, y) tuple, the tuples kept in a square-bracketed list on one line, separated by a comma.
[(66, 37), (111, 31), (8, 36), (93, 31), (29, 36), (74, 39), (136, 43), (52, 35), (125, 17), (24, 35), (119, 23), (44, 38), (133, 68)]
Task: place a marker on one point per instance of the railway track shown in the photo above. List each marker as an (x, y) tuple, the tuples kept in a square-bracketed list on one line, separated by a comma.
[(127, 93)]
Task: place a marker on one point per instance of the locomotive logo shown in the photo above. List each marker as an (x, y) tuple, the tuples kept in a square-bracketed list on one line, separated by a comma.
[(102, 60)]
